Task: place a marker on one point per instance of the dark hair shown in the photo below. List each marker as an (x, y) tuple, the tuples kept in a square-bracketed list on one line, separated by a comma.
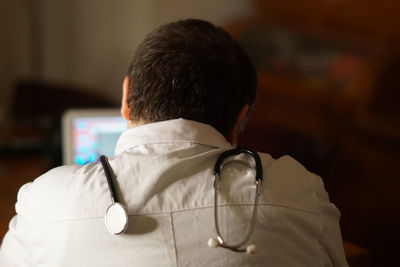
[(190, 69)]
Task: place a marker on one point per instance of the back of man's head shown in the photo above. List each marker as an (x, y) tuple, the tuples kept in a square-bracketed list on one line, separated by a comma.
[(190, 69)]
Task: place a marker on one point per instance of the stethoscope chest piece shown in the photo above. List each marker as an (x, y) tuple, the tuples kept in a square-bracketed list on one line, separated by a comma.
[(116, 218)]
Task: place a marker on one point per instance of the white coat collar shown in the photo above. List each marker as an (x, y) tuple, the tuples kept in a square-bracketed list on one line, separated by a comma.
[(171, 131)]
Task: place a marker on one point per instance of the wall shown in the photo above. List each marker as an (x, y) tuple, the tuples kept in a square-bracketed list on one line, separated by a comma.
[(13, 49), (89, 43)]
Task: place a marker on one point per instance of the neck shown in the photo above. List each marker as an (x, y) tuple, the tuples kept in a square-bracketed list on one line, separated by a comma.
[(132, 124)]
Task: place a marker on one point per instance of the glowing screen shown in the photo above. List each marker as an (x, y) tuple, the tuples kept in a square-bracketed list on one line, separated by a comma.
[(95, 136)]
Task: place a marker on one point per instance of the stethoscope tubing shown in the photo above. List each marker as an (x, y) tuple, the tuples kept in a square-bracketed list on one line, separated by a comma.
[(236, 151), (109, 176), (258, 180)]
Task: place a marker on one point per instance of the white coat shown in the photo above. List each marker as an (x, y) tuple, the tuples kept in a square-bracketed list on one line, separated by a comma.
[(164, 175)]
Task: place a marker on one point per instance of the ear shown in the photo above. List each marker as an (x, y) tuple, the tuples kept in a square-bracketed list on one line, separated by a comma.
[(232, 138), (125, 110)]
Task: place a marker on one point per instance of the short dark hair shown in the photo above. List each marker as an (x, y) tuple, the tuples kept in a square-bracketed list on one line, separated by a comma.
[(190, 69)]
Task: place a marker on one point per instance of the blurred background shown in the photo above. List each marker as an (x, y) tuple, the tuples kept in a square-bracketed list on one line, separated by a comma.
[(329, 91)]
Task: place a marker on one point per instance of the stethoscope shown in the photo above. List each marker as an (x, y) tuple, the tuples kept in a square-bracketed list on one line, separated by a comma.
[(116, 216)]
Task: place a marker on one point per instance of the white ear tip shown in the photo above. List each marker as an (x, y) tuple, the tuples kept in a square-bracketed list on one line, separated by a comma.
[(213, 243), (251, 249)]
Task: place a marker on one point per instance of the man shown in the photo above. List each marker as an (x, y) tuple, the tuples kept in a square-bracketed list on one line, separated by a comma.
[(187, 93)]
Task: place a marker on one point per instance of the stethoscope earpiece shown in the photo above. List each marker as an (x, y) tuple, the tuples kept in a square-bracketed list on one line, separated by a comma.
[(213, 243), (250, 249)]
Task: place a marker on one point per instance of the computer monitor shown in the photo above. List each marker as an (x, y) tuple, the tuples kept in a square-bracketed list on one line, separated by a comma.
[(89, 133)]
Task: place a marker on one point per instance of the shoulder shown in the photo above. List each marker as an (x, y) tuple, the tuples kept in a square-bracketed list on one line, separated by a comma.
[(63, 192), (286, 167), (63, 177), (288, 183)]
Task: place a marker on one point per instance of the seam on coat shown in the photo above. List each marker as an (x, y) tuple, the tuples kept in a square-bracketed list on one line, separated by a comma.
[(178, 211), (173, 236), (323, 248), (163, 142)]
